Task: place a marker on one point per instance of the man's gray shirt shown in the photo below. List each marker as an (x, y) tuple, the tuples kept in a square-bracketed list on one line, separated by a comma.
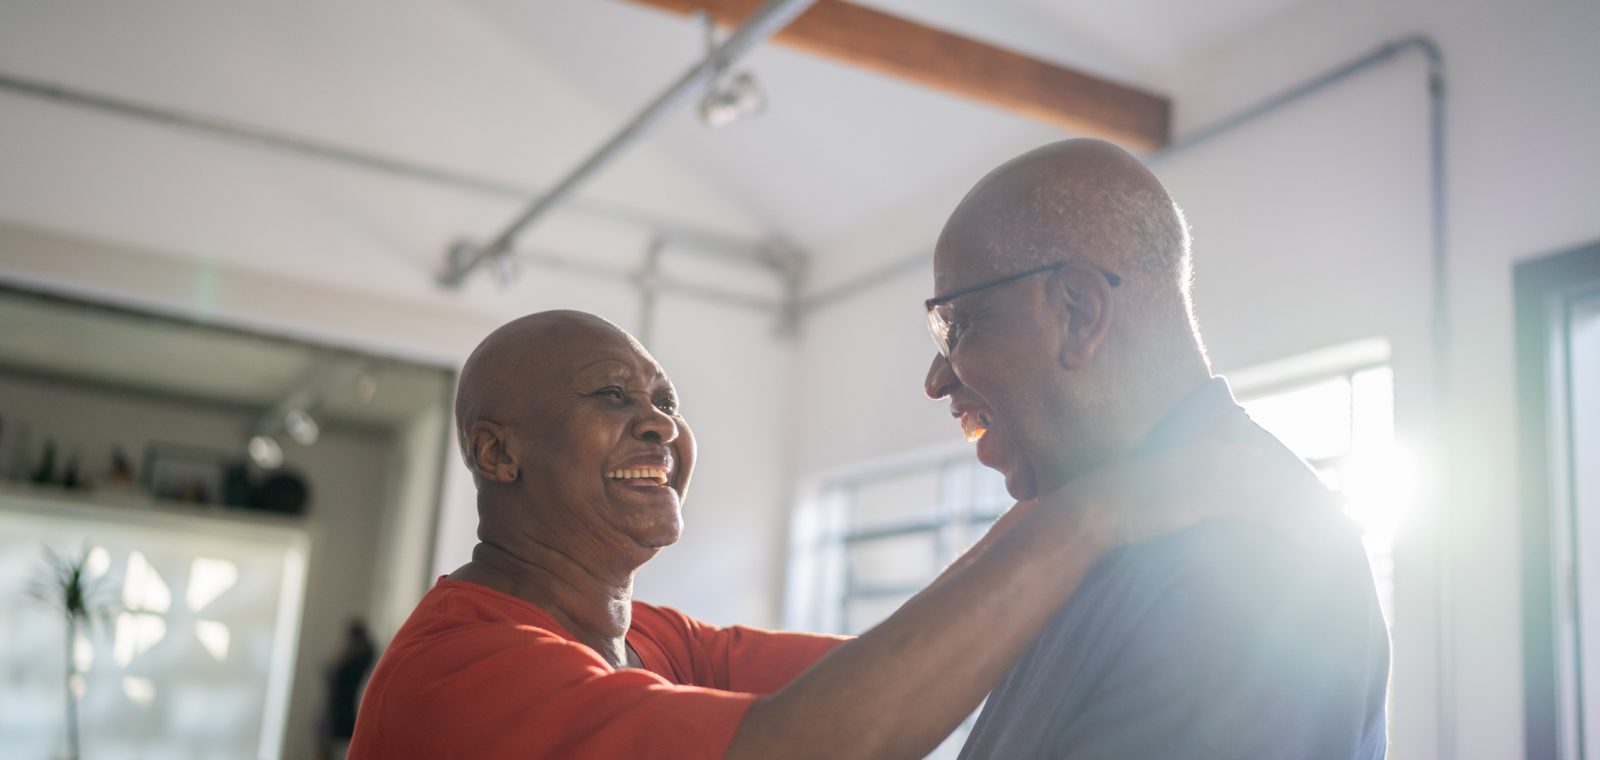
[(1226, 640)]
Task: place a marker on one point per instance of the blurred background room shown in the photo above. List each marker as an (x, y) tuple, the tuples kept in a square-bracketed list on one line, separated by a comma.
[(245, 247)]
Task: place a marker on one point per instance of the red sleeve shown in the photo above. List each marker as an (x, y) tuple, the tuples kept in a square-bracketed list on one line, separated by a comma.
[(525, 693), (737, 658)]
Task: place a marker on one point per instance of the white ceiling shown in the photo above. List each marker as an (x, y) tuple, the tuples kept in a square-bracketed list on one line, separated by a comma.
[(1159, 36), (520, 91)]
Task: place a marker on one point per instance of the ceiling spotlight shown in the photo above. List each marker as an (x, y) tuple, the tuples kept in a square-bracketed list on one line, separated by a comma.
[(732, 100), (265, 452), (727, 99), (302, 426)]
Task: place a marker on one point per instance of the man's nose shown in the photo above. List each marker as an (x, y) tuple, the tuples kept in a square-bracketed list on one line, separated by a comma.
[(941, 379)]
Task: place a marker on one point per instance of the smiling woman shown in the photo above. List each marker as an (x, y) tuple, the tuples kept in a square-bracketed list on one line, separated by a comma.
[(536, 647), (585, 401)]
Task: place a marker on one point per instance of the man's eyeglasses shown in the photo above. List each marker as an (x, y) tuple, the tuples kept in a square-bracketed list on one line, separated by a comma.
[(941, 309)]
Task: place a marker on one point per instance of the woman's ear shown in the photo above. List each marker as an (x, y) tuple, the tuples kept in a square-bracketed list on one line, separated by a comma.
[(1081, 297), (491, 458)]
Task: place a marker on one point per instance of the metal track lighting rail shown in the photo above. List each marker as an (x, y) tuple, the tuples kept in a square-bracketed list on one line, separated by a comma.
[(464, 257)]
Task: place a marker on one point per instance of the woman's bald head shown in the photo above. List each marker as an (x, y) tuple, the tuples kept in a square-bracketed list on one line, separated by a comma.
[(519, 363)]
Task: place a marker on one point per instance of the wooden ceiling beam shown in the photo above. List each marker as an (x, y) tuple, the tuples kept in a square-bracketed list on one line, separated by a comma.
[(874, 40)]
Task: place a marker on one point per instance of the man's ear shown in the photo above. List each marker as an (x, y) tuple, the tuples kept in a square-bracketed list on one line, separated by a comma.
[(490, 456), (1081, 297)]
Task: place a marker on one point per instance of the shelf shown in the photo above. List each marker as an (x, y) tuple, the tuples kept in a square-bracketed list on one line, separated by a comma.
[(104, 505)]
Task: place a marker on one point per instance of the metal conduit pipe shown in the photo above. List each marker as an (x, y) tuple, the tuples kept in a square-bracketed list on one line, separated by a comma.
[(558, 262), (1439, 327), (765, 22), (697, 240)]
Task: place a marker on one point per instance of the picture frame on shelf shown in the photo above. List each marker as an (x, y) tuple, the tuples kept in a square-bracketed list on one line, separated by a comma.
[(185, 473)]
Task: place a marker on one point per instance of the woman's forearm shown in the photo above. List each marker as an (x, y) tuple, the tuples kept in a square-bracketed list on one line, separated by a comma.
[(900, 688)]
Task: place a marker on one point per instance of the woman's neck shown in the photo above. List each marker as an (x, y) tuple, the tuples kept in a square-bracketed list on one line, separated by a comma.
[(595, 607)]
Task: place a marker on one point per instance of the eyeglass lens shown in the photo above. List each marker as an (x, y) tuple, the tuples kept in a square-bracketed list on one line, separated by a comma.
[(939, 325)]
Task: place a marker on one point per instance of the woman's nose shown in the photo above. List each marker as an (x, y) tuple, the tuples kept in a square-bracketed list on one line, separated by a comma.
[(657, 426)]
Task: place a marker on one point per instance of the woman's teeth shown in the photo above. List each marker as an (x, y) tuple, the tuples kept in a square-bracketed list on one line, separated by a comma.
[(658, 474), (974, 425)]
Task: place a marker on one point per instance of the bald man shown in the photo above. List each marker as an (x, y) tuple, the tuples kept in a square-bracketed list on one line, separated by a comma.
[(1067, 341)]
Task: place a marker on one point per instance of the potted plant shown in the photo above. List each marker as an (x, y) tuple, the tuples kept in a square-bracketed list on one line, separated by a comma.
[(67, 586)]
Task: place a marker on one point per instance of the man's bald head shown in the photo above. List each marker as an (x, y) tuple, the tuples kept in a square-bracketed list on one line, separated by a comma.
[(525, 353), (1083, 199), (1067, 368)]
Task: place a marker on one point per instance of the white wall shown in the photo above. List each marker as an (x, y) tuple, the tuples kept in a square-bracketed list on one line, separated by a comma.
[(1310, 230), (405, 539)]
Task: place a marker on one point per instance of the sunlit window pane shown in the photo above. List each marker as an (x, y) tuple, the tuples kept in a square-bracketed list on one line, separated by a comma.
[(894, 561), (1372, 408), (903, 498), (1313, 420), (208, 579), (864, 613)]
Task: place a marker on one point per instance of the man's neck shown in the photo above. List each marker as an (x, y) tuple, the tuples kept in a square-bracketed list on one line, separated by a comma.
[(1149, 385), (1125, 419), (1157, 405), (595, 605)]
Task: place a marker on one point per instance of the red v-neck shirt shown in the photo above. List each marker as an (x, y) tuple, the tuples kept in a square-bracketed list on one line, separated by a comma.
[(478, 673)]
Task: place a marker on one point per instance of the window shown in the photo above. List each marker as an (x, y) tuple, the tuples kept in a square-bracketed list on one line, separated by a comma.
[(867, 541), (197, 656)]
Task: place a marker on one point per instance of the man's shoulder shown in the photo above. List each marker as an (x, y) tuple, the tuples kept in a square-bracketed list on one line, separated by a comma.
[(1243, 561), (1225, 613), (1210, 590)]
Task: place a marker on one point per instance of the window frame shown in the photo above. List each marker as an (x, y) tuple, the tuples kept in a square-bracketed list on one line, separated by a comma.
[(1542, 287)]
